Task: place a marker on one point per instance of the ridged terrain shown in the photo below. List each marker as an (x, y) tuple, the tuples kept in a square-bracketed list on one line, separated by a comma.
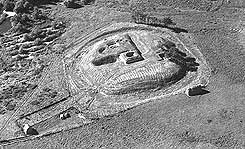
[(146, 77)]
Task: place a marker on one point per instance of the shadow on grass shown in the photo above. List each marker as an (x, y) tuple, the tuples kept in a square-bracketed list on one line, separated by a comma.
[(44, 2), (199, 90), (75, 6), (174, 29)]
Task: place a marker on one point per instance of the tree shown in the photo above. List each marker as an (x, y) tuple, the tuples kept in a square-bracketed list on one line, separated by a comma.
[(69, 3), (8, 5), (19, 6)]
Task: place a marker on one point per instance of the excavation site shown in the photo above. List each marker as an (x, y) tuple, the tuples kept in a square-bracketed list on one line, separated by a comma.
[(117, 74)]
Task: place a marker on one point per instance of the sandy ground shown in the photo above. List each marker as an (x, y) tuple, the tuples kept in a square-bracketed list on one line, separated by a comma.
[(214, 120)]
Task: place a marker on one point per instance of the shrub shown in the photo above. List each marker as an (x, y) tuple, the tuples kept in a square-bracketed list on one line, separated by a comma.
[(141, 18), (19, 6)]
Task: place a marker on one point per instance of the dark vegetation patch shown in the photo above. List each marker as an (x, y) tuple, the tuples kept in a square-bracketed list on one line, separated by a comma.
[(71, 4), (25, 50), (141, 18), (29, 14), (43, 2), (75, 4), (44, 95)]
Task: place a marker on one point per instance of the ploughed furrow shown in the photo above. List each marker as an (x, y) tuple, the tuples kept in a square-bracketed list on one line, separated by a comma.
[(146, 77)]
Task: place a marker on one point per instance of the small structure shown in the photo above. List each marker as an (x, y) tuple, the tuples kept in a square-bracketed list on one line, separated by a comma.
[(29, 130), (198, 90), (65, 115)]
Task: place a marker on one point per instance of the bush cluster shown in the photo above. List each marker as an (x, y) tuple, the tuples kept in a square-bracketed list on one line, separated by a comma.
[(26, 14), (22, 6), (141, 18)]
